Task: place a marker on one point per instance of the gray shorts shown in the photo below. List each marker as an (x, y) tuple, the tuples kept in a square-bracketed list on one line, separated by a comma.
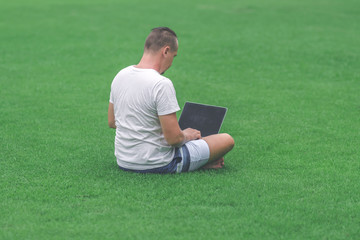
[(189, 157), (194, 155)]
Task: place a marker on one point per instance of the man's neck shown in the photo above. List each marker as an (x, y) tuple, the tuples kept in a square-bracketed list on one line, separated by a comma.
[(149, 61)]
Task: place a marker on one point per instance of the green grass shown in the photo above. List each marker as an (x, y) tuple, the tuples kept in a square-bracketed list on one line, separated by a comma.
[(287, 70)]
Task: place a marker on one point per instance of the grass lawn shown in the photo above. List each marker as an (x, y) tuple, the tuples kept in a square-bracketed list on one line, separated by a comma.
[(288, 71)]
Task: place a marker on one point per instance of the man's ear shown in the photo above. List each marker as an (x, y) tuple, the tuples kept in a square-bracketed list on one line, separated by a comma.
[(166, 50)]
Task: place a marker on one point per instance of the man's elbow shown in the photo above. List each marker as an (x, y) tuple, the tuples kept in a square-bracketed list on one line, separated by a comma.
[(111, 124), (176, 141)]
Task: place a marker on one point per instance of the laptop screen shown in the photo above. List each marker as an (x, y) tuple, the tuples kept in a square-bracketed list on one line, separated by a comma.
[(205, 118)]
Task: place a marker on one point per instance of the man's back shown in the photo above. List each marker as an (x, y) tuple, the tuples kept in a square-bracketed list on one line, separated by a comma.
[(139, 96)]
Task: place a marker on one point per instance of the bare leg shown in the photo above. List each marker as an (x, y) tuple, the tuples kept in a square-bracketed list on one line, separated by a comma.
[(219, 145)]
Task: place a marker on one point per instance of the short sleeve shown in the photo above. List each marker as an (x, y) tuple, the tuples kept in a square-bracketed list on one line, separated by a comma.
[(111, 99), (165, 97)]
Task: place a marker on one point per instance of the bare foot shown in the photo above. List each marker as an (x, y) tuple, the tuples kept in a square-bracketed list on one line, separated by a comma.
[(214, 165)]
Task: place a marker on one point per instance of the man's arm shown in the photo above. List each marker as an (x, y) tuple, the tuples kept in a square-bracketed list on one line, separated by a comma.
[(172, 132), (111, 116)]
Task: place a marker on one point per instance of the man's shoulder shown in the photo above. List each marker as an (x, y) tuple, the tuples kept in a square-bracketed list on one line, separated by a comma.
[(140, 71), (164, 84), (126, 69), (122, 72), (167, 81), (151, 76)]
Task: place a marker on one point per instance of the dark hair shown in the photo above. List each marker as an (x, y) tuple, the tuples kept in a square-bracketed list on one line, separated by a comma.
[(160, 37)]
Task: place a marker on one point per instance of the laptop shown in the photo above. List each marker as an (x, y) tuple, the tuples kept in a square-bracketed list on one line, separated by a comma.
[(205, 118)]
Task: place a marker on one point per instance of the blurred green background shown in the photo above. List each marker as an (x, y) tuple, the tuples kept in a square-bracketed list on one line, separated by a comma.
[(287, 70)]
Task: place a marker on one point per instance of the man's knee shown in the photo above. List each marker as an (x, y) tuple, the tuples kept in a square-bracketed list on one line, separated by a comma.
[(229, 140)]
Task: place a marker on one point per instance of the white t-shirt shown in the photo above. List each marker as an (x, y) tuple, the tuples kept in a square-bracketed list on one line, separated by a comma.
[(139, 97)]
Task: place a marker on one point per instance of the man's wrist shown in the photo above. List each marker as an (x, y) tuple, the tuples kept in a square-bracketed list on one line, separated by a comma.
[(185, 140)]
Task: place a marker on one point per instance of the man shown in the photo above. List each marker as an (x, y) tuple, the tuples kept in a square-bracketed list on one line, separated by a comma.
[(143, 108)]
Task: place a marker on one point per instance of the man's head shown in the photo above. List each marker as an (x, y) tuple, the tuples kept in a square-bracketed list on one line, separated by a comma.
[(162, 42), (159, 38)]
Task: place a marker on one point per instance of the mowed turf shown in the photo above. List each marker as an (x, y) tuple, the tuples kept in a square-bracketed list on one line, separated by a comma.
[(287, 70)]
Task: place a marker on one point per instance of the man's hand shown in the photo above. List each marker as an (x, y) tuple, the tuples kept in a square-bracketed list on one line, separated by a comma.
[(191, 134)]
